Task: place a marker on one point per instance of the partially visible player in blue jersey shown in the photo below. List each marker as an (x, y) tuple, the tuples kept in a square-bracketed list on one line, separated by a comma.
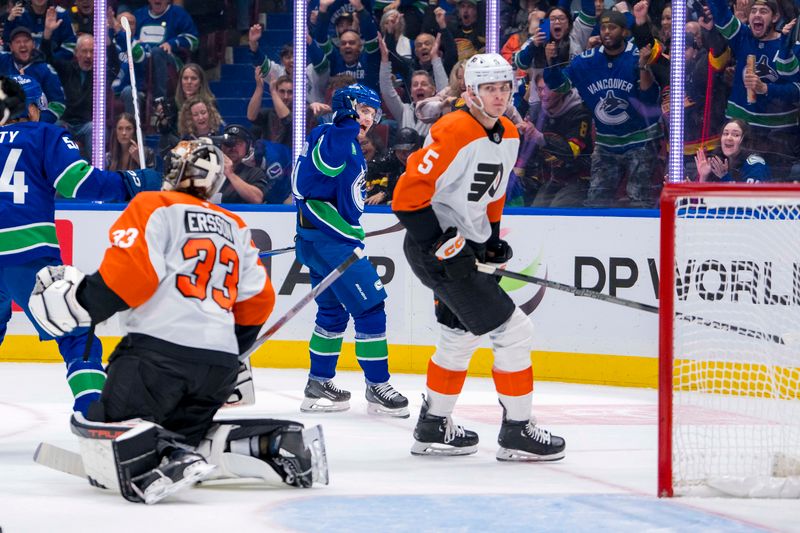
[(37, 160), (328, 184)]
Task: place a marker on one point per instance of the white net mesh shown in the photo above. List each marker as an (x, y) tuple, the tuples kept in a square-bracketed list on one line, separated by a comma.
[(736, 347)]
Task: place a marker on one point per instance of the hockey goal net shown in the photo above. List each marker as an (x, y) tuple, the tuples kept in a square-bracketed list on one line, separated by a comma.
[(729, 341)]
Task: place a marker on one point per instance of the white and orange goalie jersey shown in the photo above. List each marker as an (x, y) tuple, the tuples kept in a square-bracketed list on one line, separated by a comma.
[(461, 174), (189, 274)]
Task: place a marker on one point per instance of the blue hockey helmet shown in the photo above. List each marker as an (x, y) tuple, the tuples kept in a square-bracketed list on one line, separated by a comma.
[(360, 94)]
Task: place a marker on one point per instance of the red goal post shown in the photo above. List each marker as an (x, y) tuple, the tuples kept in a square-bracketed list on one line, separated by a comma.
[(729, 340)]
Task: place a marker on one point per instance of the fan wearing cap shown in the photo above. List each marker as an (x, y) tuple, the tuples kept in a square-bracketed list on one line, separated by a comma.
[(773, 117), (244, 184), (384, 172), (33, 19), (25, 59), (616, 83)]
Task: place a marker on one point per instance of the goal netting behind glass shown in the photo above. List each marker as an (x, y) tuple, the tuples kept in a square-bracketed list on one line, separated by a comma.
[(730, 341)]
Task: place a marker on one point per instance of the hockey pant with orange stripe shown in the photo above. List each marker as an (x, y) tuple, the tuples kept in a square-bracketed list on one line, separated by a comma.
[(467, 309), (358, 293)]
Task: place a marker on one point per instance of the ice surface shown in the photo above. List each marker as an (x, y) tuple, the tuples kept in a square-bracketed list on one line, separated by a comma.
[(606, 483)]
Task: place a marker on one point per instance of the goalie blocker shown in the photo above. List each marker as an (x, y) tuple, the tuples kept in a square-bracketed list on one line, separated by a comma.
[(146, 463)]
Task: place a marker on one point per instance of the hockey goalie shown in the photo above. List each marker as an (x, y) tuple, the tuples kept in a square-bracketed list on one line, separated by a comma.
[(195, 296)]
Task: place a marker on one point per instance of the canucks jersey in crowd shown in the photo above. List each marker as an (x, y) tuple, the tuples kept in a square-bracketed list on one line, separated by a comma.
[(775, 64), (625, 116), (63, 37), (174, 26), (328, 181)]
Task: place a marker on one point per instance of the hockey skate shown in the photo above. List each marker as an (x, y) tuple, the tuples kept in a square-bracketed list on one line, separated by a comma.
[(437, 435), (383, 399), (181, 471), (324, 396), (525, 441)]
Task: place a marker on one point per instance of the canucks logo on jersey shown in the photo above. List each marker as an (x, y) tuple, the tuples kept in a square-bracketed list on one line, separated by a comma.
[(611, 109)]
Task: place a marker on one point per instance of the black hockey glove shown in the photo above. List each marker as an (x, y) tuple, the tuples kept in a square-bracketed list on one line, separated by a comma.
[(455, 255), (498, 251)]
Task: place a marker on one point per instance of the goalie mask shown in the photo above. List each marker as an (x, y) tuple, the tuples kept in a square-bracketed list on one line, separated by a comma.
[(194, 167)]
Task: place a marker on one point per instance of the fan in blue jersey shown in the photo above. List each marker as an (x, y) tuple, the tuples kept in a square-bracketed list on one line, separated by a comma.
[(732, 162), (773, 112), (38, 160), (328, 184), (616, 83)]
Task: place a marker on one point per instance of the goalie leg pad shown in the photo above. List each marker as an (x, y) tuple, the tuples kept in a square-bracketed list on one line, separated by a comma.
[(245, 448), (126, 457)]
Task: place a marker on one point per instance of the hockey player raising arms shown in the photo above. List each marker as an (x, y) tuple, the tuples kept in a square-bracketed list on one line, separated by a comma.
[(450, 201), (196, 294), (328, 184), (38, 160)]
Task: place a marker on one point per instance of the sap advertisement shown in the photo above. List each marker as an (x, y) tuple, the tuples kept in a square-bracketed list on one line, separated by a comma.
[(615, 255)]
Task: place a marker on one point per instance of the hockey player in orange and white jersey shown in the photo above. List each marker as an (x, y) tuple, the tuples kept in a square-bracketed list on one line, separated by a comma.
[(450, 201), (196, 295)]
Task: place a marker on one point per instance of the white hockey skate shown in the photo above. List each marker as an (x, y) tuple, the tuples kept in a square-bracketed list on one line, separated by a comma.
[(174, 476)]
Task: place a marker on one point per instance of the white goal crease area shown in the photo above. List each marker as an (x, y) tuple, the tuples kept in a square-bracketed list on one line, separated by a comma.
[(729, 397)]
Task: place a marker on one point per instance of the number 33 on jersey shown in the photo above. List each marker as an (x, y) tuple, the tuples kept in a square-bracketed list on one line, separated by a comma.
[(188, 270)]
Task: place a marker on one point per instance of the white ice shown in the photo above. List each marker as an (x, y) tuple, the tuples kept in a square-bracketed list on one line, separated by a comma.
[(607, 481)]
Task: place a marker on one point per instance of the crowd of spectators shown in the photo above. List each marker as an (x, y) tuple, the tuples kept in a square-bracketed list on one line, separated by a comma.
[(591, 95)]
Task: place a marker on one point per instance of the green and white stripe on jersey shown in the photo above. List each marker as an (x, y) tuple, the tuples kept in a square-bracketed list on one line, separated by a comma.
[(69, 181), (617, 142), (327, 213), (27, 237)]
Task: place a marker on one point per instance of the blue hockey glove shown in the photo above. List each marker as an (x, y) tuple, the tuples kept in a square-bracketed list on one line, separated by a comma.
[(144, 179), (456, 256), (344, 106)]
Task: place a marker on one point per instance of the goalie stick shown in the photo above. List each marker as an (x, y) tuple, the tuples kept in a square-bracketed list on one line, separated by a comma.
[(131, 70), (588, 293), (326, 282), (60, 459)]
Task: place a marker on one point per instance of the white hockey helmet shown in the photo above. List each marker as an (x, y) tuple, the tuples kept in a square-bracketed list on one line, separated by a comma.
[(195, 167), (486, 68)]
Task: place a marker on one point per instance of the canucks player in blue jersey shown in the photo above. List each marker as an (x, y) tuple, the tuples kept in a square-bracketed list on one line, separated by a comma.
[(37, 160), (328, 184)]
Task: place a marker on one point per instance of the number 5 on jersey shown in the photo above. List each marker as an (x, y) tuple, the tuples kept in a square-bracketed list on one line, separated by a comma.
[(427, 161), (196, 284)]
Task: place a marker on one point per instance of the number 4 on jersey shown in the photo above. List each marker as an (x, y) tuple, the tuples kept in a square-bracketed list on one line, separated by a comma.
[(13, 180)]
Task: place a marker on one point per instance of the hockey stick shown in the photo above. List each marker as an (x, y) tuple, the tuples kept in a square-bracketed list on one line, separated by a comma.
[(326, 282), (277, 251), (60, 459), (588, 293), (129, 45)]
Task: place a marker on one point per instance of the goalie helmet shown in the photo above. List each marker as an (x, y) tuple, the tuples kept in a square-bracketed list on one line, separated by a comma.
[(12, 100), (486, 68), (194, 167)]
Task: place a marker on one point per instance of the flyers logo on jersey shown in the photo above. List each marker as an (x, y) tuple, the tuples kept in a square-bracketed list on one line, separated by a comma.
[(486, 178), (451, 247)]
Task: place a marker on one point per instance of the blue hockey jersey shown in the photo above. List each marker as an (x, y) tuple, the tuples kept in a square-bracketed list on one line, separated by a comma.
[(625, 116), (775, 64), (328, 182), (38, 160), (174, 26)]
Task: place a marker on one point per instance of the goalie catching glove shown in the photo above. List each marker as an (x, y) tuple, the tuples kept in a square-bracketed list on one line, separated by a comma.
[(54, 301), (456, 256)]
